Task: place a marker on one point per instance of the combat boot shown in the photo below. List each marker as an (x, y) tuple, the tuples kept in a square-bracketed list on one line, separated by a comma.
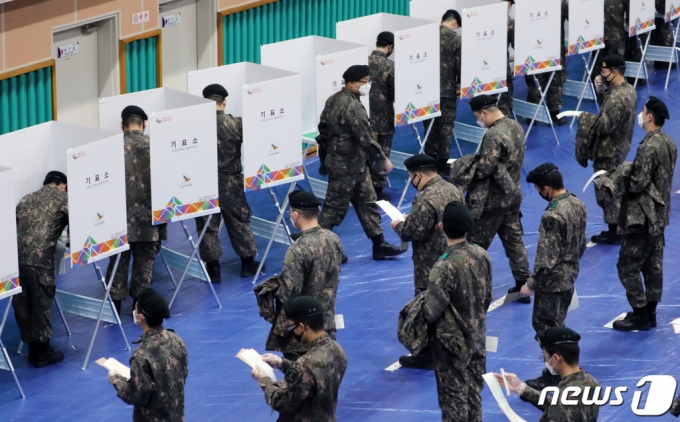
[(46, 355), (344, 259), (249, 267), (423, 360), (118, 305), (557, 121), (607, 237), (213, 269), (638, 320), (384, 249), (32, 350), (651, 313), (545, 380)]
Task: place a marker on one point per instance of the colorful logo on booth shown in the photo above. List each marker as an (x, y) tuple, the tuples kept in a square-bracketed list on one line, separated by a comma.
[(587, 22), (250, 92), (254, 91), (79, 155), (539, 42), (404, 36), (485, 62), (158, 120), (100, 216), (98, 219), (274, 147), (163, 119), (471, 14), (419, 86), (186, 178)]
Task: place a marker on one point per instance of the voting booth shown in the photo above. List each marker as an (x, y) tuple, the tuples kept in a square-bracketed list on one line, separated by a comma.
[(416, 68), (10, 284), (663, 53), (94, 164), (641, 15), (269, 102), (320, 62), (182, 133)]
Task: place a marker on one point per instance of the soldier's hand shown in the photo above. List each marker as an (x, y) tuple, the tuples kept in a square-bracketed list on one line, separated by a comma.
[(388, 166), (394, 224), (112, 374), (514, 383), (526, 291), (599, 85), (273, 360), (258, 373)]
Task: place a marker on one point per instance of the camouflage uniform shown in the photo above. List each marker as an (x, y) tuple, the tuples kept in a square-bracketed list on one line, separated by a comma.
[(560, 412), (642, 249), (561, 243), (311, 268), (420, 227), (346, 145), (662, 35), (233, 206), (381, 100), (460, 282), (502, 146), (554, 94), (309, 391), (614, 133), (438, 144), (143, 236), (615, 32), (41, 218), (158, 371), (505, 102)]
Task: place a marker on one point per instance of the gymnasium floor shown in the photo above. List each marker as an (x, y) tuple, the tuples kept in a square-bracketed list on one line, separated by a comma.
[(370, 296)]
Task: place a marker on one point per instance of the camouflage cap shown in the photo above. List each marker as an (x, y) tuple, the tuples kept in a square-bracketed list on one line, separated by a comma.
[(557, 335), (657, 107), (215, 90), (302, 307)]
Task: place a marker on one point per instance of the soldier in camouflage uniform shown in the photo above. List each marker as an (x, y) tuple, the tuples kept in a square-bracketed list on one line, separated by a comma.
[(615, 34), (642, 251), (309, 391), (158, 366), (41, 218), (144, 238), (561, 354), (346, 145), (438, 143), (505, 102), (311, 268), (561, 243), (613, 131), (501, 159), (233, 206), (381, 100), (554, 94), (459, 288), (421, 227)]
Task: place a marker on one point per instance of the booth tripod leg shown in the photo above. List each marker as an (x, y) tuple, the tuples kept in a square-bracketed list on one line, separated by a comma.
[(588, 84), (542, 103), (642, 63), (4, 350), (167, 267), (101, 312), (198, 255), (282, 210), (420, 151), (275, 200), (674, 54), (101, 277)]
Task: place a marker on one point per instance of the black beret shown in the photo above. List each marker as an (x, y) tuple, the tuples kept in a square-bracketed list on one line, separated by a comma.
[(511, 1), (537, 175), (557, 335), (452, 14), (481, 102), (613, 61), (419, 161), (457, 218), (386, 37), (302, 307), (153, 305), (355, 73), (657, 107), (133, 111), (54, 176), (215, 90), (303, 200)]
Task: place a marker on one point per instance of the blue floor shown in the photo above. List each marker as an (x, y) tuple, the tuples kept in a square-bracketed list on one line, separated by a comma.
[(371, 294)]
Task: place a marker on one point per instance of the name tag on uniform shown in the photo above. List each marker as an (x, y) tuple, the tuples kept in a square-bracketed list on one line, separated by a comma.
[(339, 322)]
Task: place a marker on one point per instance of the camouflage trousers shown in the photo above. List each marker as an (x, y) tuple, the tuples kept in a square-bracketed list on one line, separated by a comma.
[(550, 309), (438, 143), (459, 389), (610, 210), (357, 189), (377, 171), (662, 35), (505, 102), (144, 257), (507, 224), (421, 271), (33, 305), (641, 253), (553, 98), (236, 214)]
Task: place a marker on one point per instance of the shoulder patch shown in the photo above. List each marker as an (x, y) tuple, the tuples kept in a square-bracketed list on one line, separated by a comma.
[(444, 255), (292, 376), (553, 204), (548, 224)]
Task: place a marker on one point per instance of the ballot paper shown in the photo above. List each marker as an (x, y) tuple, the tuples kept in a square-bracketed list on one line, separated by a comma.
[(253, 359), (113, 365), (593, 177), (339, 322), (505, 383), (495, 388), (451, 161), (390, 210), (491, 344), (569, 113), (574, 302)]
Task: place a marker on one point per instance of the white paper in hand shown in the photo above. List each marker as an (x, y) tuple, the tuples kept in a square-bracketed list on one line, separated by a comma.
[(569, 113), (495, 388), (253, 359), (113, 365), (390, 210), (505, 382), (574, 302), (593, 177), (339, 322)]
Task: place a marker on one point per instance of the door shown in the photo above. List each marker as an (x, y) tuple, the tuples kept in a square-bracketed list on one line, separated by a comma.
[(179, 42)]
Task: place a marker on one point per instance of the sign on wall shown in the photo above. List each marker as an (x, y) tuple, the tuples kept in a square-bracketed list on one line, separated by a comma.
[(96, 197)]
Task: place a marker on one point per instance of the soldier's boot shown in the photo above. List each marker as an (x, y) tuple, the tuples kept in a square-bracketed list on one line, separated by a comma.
[(545, 380), (423, 360), (382, 196), (556, 120), (638, 320), (32, 350), (444, 168), (46, 355), (213, 269), (382, 249), (344, 259), (118, 305), (651, 313), (517, 288), (608, 237), (249, 267)]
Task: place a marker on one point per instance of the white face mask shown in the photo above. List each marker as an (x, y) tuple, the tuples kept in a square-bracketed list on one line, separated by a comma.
[(134, 318), (550, 368), (641, 119), (364, 89), (481, 123)]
